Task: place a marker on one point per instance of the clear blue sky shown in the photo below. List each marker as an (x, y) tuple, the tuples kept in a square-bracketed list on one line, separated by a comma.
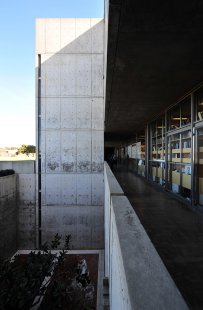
[(17, 61)]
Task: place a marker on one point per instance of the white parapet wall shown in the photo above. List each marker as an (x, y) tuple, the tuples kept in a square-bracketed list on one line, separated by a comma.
[(70, 127), (8, 216), (138, 278)]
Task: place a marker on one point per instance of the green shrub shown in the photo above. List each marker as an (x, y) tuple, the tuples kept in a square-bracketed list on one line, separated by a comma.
[(4, 173)]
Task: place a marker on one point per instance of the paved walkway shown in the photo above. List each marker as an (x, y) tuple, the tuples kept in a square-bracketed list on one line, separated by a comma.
[(175, 230)]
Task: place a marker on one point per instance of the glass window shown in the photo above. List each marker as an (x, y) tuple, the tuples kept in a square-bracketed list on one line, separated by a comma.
[(199, 168), (173, 118), (141, 153), (157, 151), (179, 163), (186, 112), (199, 105)]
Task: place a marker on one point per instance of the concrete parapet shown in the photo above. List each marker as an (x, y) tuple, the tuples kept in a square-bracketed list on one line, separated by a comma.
[(19, 166), (8, 216), (149, 284), (137, 276), (111, 187), (114, 187)]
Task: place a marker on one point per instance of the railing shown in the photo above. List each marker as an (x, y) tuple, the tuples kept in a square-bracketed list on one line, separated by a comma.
[(137, 276)]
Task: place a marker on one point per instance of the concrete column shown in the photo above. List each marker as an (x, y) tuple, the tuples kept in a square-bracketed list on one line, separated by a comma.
[(72, 117)]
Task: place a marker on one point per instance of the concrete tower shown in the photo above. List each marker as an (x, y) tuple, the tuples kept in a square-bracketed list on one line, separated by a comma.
[(70, 130)]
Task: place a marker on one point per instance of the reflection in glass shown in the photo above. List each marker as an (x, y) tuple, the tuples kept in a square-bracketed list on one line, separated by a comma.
[(186, 112), (199, 105)]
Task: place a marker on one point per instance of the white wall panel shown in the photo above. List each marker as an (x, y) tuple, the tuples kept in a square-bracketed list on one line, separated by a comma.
[(84, 189), (97, 218), (97, 26), (43, 75), (68, 112), (43, 189), (53, 151), (43, 150), (43, 113), (83, 151), (83, 35), (53, 75), (68, 151), (68, 75), (84, 113), (72, 112), (53, 189), (68, 34), (52, 30), (98, 189), (97, 151), (84, 223), (53, 117), (26, 187), (83, 73), (98, 113), (68, 189), (97, 75)]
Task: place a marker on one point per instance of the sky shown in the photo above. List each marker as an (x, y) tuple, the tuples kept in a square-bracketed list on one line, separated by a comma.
[(17, 60)]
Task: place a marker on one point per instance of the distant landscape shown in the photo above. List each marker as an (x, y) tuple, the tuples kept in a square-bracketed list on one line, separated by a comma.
[(24, 152)]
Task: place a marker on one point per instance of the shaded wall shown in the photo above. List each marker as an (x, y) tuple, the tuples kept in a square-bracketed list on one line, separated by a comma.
[(8, 216), (25, 200)]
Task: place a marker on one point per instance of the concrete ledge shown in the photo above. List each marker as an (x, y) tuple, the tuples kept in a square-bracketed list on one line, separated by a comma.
[(111, 187), (149, 284), (114, 186), (20, 166)]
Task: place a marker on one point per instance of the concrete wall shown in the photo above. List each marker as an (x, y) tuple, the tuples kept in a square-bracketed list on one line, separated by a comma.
[(25, 201), (137, 276), (71, 120), (8, 216), (26, 198), (19, 166)]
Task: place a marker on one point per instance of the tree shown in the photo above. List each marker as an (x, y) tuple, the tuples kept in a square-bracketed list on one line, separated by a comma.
[(27, 149)]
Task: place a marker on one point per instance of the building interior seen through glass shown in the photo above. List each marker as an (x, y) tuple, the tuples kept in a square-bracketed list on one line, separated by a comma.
[(175, 149)]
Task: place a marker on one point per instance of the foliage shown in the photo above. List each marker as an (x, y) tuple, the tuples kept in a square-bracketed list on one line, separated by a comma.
[(6, 172), (27, 149), (21, 278)]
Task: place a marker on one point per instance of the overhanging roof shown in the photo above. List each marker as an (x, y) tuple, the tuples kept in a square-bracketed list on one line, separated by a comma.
[(155, 56)]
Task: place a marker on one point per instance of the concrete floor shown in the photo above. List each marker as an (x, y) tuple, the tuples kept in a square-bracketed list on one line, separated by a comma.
[(175, 230)]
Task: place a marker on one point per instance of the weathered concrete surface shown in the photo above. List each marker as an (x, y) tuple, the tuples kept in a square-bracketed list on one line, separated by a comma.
[(72, 109), (111, 184), (151, 52), (149, 284), (137, 277), (19, 166), (84, 223), (8, 216), (26, 201), (71, 126), (112, 187)]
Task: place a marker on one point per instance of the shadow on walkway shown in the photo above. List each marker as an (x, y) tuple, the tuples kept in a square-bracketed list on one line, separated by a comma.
[(175, 230)]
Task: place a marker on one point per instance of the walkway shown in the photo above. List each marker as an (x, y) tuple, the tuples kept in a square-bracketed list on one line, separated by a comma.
[(174, 229)]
